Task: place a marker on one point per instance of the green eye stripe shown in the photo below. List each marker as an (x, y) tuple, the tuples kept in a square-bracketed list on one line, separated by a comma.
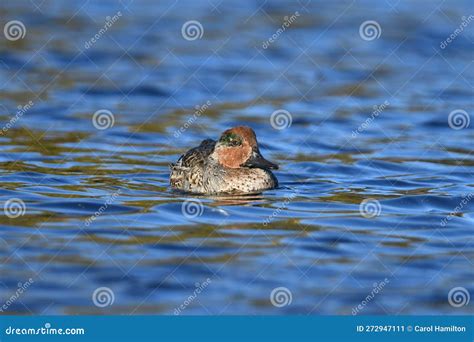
[(231, 139)]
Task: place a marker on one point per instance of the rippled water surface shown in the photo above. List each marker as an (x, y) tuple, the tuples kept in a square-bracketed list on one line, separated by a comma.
[(98, 209)]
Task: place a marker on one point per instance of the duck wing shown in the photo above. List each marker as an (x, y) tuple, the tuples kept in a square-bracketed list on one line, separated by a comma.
[(197, 156), (188, 172)]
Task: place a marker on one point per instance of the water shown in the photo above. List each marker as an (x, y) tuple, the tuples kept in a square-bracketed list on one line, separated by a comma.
[(308, 235)]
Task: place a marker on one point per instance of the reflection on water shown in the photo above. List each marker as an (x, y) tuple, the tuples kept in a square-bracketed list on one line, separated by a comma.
[(375, 186)]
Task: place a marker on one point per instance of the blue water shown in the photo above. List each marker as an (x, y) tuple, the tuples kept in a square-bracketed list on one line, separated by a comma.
[(309, 235)]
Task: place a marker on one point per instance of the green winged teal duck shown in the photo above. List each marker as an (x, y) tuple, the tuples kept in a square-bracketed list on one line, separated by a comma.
[(233, 164)]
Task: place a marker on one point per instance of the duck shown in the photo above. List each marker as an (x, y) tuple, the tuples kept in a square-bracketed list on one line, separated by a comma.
[(231, 165)]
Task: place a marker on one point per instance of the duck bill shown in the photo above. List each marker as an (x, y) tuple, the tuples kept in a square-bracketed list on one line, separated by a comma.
[(256, 160)]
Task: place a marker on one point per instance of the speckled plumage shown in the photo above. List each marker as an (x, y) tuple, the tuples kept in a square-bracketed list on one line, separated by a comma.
[(200, 170)]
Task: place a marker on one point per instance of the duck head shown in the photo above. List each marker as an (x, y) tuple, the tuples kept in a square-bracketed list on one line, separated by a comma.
[(237, 147)]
